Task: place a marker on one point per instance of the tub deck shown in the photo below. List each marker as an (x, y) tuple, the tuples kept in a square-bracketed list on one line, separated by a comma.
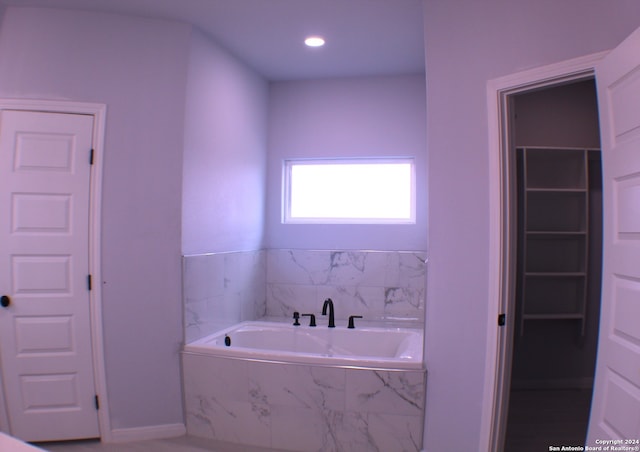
[(365, 346)]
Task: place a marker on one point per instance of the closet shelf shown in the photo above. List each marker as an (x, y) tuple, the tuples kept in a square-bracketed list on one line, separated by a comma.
[(556, 274), (554, 234), (554, 190), (553, 317)]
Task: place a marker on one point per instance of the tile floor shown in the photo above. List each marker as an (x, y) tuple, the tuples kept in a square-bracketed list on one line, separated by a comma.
[(542, 418)]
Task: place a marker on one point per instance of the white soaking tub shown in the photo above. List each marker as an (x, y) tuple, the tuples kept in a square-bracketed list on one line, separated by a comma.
[(302, 388), (363, 346)]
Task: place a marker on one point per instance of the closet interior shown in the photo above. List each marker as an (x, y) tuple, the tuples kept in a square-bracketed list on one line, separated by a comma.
[(558, 193)]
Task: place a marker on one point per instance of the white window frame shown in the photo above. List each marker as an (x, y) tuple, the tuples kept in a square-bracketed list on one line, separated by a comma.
[(287, 217)]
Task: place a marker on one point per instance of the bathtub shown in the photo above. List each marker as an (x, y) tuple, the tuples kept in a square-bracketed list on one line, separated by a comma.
[(364, 346), (301, 388)]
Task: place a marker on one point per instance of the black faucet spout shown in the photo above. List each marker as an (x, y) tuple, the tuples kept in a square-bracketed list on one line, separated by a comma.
[(329, 303)]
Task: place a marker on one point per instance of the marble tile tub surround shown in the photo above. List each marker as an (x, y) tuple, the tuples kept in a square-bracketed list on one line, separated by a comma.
[(222, 289), (379, 285), (302, 407)]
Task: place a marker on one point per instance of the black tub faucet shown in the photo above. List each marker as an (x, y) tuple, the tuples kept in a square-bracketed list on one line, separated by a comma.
[(351, 317), (312, 319), (332, 321)]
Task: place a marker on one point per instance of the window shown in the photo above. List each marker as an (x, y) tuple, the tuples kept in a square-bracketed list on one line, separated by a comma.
[(349, 191)]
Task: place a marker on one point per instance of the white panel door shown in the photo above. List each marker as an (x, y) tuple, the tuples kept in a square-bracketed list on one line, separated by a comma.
[(615, 412), (45, 332)]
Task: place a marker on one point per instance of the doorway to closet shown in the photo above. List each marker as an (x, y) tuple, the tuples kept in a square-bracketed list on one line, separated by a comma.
[(555, 160)]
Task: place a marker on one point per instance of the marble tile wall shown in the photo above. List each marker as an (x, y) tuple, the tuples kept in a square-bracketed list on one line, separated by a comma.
[(380, 285), (303, 407), (222, 289)]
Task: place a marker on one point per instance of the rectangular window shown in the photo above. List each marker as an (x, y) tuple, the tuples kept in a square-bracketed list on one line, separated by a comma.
[(367, 190)]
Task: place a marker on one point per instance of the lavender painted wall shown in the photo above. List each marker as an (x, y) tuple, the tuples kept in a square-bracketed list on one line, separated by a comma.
[(352, 117), (465, 47), (224, 173), (138, 68)]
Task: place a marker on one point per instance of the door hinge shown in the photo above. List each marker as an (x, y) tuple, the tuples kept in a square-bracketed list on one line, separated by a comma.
[(89, 282), (97, 402), (502, 319), (91, 157)]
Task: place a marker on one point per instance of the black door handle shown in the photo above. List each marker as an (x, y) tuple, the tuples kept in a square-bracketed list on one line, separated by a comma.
[(5, 301)]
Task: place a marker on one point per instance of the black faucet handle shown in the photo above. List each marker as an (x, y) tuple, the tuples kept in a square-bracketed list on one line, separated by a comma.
[(312, 319), (296, 317), (351, 323)]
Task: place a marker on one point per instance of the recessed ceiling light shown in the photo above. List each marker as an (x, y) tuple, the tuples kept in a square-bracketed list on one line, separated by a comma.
[(314, 41)]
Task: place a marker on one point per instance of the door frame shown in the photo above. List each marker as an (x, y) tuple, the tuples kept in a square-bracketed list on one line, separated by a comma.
[(99, 113), (502, 233)]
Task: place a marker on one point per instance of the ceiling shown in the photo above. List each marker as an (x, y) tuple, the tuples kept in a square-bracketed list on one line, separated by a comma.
[(364, 37)]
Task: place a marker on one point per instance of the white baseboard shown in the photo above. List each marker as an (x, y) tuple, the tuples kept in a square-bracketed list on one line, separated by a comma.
[(125, 435)]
